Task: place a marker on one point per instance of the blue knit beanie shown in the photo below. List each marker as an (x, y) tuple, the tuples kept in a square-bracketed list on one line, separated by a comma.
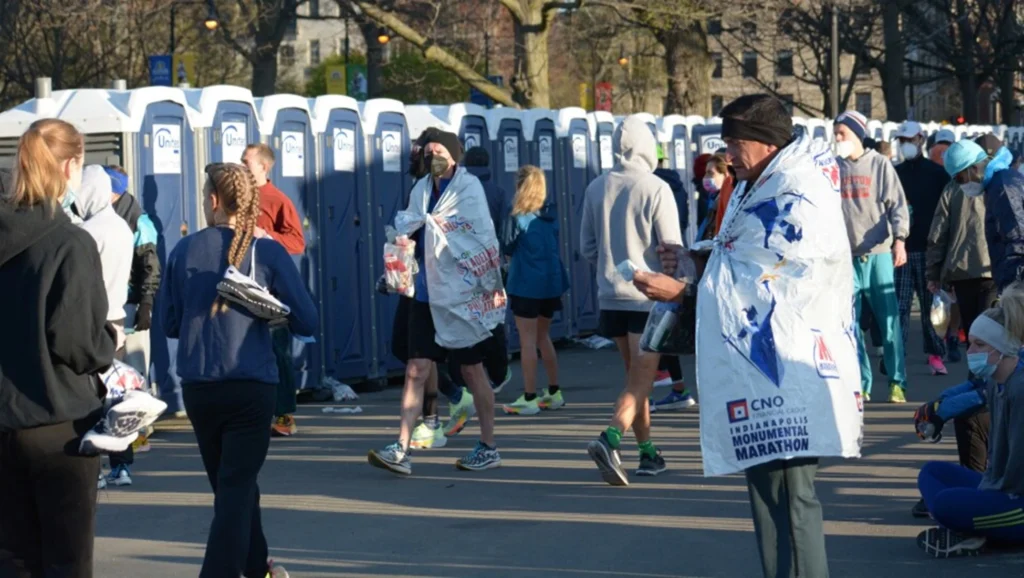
[(118, 181), (855, 121)]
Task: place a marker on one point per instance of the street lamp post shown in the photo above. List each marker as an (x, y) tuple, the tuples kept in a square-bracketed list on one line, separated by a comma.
[(211, 21), (487, 54), (834, 100)]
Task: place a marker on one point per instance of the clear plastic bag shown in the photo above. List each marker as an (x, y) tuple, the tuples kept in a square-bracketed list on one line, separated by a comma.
[(400, 266), (671, 327), (942, 304)]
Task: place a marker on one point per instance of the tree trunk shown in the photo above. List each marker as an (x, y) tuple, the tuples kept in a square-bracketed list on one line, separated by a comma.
[(374, 58), (435, 53), (688, 68), (892, 75), (1007, 100), (964, 66), (264, 73), (533, 66)]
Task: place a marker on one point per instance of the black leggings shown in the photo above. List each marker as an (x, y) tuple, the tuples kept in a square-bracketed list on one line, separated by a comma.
[(47, 501), (670, 363), (972, 439), (231, 421)]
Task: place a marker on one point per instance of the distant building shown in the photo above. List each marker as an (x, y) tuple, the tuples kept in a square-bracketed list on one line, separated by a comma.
[(318, 33), (754, 56)]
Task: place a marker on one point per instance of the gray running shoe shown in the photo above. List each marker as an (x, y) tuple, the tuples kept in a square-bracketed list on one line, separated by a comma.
[(608, 461)]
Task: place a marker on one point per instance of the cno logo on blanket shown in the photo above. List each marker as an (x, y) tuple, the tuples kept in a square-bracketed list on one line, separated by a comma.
[(823, 360)]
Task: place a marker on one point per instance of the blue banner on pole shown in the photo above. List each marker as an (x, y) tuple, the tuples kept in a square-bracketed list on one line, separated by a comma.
[(477, 97), (160, 66)]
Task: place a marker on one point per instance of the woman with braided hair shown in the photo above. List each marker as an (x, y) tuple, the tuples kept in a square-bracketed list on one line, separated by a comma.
[(226, 361)]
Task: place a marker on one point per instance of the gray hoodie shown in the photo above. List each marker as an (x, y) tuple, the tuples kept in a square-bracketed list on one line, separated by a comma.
[(1005, 471), (113, 237), (874, 204), (626, 214)]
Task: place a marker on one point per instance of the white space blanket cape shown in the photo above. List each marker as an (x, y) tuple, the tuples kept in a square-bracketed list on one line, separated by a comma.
[(777, 362), (461, 257)]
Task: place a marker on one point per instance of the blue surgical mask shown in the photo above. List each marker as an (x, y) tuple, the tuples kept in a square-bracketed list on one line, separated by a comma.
[(979, 365), (69, 199)]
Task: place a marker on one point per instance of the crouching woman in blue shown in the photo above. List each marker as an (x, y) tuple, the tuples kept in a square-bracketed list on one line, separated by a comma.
[(226, 361), (974, 508)]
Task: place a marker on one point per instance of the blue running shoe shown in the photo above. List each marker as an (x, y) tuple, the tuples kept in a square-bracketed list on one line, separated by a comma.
[(674, 400)]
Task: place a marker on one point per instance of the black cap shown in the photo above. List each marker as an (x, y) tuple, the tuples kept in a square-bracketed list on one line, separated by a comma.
[(449, 141)]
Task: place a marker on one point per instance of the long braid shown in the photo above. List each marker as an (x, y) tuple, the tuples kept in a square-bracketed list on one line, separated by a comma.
[(237, 191)]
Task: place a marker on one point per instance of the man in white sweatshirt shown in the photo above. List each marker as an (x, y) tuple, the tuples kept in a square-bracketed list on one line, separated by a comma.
[(626, 214)]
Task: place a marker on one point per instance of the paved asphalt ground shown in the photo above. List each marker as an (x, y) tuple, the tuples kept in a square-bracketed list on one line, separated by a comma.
[(545, 513)]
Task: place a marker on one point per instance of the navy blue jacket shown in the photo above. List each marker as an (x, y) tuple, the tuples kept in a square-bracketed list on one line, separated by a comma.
[(231, 345), (923, 182), (675, 182), (536, 270), (1004, 226), (495, 197)]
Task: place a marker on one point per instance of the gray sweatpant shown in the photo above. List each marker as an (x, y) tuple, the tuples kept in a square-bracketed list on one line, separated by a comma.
[(787, 518)]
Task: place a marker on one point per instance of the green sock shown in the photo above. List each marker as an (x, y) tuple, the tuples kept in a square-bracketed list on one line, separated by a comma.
[(614, 436), (647, 449)]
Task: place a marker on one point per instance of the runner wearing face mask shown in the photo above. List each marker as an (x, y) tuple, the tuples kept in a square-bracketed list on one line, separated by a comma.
[(923, 182), (720, 180), (877, 223), (972, 167)]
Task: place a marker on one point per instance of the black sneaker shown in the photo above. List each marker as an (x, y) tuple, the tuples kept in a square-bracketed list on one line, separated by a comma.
[(608, 461), (920, 510), (945, 543), (651, 466), (953, 349)]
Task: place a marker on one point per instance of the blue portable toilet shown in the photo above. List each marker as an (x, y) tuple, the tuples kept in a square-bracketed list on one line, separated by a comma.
[(164, 170), (508, 153), (346, 312), (508, 148), (420, 117), (575, 153), (674, 136), (540, 136), (707, 138), (225, 122), (287, 128), (387, 158), (601, 125), (469, 121)]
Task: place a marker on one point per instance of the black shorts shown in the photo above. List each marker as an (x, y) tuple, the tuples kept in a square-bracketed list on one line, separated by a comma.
[(423, 346), (528, 308), (614, 324)]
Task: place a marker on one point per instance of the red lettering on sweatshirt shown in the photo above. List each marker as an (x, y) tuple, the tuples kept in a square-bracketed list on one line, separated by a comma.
[(857, 186)]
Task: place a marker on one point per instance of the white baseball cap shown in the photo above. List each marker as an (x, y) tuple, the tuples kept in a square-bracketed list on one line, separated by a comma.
[(945, 135), (908, 129)]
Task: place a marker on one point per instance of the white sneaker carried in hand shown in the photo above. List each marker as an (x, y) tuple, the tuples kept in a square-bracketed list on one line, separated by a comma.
[(246, 292)]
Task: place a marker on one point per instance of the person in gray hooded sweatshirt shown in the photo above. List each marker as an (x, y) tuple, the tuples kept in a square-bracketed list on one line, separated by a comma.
[(113, 237), (626, 214), (877, 223), (116, 244)]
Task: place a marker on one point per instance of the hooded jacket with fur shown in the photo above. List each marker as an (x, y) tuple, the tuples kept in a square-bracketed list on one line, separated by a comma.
[(627, 212)]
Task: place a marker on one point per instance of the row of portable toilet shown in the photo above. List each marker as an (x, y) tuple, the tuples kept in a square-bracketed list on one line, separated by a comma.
[(344, 164)]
